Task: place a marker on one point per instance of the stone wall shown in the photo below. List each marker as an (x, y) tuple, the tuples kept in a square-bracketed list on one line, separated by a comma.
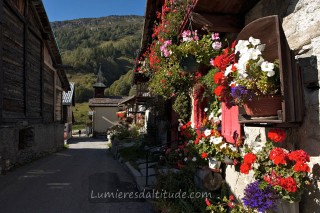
[(38, 141), (301, 24)]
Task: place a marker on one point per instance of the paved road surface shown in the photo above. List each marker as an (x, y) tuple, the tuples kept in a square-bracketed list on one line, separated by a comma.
[(60, 183)]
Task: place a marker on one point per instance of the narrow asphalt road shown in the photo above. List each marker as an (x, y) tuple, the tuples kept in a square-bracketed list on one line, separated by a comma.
[(73, 180)]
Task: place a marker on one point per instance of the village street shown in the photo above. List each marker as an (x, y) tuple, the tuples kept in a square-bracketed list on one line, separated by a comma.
[(67, 182)]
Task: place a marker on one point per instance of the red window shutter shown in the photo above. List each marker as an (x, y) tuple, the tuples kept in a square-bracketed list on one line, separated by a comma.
[(231, 129)]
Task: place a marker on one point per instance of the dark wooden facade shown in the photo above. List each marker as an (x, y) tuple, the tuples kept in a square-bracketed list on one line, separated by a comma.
[(31, 87), (31, 82)]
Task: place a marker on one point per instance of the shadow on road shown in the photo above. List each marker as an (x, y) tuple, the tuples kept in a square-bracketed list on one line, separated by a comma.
[(76, 140)]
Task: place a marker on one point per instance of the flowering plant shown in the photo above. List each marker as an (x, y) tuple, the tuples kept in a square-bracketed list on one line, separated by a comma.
[(261, 197), (286, 171), (210, 142), (252, 74)]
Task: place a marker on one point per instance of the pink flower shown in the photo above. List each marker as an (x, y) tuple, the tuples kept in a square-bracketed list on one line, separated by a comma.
[(215, 36), (216, 45)]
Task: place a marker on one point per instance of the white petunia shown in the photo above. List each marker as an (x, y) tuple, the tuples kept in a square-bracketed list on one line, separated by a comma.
[(228, 70), (215, 140), (241, 46), (254, 41), (194, 159), (206, 109), (216, 119), (267, 66), (261, 47), (271, 73), (185, 159), (207, 132), (223, 146)]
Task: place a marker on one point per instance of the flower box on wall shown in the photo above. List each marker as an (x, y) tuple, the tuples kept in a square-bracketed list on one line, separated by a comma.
[(269, 31)]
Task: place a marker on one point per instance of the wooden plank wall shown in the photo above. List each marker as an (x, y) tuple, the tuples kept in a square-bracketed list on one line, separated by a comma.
[(13, 66), (48, 90), (33, 79), (28, 90), (58, 107), (1, 51)]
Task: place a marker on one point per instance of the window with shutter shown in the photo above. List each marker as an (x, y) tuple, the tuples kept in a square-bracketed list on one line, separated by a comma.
[(231, 128)]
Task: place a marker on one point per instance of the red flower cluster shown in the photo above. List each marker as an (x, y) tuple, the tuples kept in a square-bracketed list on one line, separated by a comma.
[(204, 155), (289, 184), (219, 90), (300, 157), (277, 135), (185, 131), (248, 160), (218, 77), (278, 156), (223, 60)]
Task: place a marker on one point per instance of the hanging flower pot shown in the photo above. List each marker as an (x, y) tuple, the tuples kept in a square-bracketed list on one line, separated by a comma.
[(189, 64), (213, 163), (263, 106)]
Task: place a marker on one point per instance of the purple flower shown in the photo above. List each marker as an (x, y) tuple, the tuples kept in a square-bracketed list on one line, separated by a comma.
[(239, 92), (260, 196)]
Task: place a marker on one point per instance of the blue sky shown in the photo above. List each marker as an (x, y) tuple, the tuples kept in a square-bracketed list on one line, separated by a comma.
[(59, 10)]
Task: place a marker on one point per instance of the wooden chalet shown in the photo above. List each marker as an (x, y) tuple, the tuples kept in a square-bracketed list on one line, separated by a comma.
[(32, 81)]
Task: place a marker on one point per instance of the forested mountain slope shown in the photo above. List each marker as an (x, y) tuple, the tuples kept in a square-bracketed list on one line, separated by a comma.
[(111, 41)]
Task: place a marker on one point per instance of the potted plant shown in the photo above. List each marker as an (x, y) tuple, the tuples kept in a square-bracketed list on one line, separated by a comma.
[(287, 172), (211, 145), (250, 81)]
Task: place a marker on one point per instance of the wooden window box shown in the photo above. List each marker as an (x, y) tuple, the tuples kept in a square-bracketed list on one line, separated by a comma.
[(269, 31)]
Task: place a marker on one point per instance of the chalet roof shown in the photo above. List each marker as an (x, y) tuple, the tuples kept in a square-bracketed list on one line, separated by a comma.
[(111, 101), (68, 97), (51, 41)]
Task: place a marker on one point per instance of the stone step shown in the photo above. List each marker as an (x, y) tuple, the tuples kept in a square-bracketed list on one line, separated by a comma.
[(150, 164), (151, 172)]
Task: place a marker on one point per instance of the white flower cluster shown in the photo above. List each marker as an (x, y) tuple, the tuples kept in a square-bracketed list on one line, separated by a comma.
[(250, 50)]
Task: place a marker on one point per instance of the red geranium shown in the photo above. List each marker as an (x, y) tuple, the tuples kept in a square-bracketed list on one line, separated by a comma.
[(277, 135), (299, 156), (245, 168), (219, 90), (288, 184), (204, 155), (250, 158), (278, 156), (218, 77), (301, 167)]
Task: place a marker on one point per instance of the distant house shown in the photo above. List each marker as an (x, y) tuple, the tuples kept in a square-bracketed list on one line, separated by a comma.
[(68, 101), (103, 109), (32, 80)]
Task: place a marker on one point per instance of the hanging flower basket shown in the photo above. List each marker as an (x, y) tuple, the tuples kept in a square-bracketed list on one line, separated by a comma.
[(189, 64), (263, 106)]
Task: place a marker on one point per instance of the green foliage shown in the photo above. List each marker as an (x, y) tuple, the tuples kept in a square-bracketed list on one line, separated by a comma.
[(121, 86), (182, 106), (172, 183), (110, 41), (80, 113)]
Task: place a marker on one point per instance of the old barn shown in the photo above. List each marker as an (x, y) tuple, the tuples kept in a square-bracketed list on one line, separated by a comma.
[(31, 83)]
